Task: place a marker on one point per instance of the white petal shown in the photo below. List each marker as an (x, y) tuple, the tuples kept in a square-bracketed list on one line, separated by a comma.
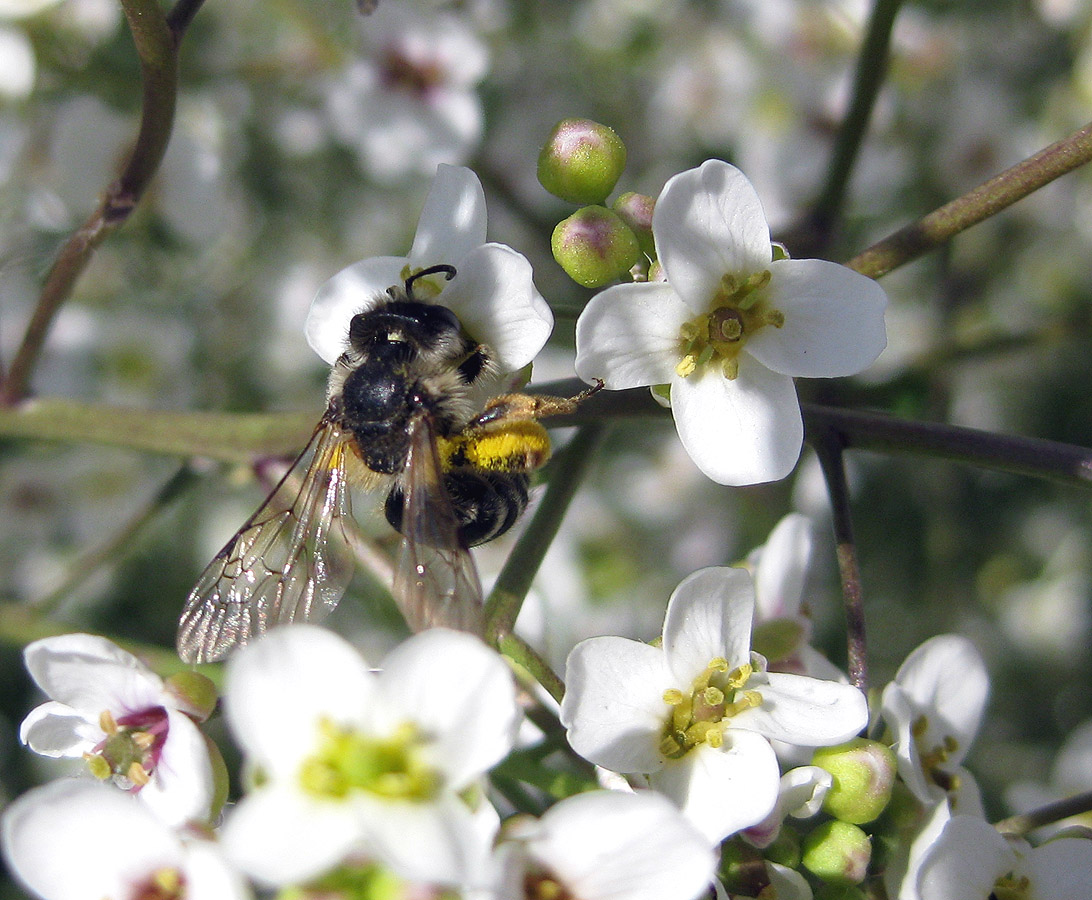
[(947, 679), (604, 844), (497, 303), (965, 862), (1060, 869), (613, 707), (725, 790), (453, 220), (787, 884), (55, 729), (805, 711), (208, 875), (349, 292), (708, 615), (442, 842), (181, 788), (782, 568), (628, 335), (708, 222), (834, 321), (280, 687), (900, 713), (280, 836), (744, 431), (461, 693), (91, 674), (78, 839)]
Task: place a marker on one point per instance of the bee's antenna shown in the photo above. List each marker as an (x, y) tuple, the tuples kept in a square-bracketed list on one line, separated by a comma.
[(447, 271)]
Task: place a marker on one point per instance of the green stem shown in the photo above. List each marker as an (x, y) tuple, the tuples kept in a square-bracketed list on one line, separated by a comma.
[(156, 45), (523, 563), (871, 69), (984, 201), (523, 655)]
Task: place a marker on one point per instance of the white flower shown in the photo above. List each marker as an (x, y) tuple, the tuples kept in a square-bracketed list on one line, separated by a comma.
[(80, 840), (413, 102), (110, 709), (934, 706), (605, 845), (965, 858), (358, 761), (492, 293), (800, 795), (697, 715), (731, 327)]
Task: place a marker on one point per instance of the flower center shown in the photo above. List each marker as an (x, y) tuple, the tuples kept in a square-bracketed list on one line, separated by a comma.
[(716, 338), (934, 758), (130, 751), (701, 716), (399, 70), (543, 886), (1010, 887), (162, 884), (346, 760)]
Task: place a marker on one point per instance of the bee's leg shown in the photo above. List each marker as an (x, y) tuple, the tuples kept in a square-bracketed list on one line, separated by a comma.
[(524, 407)]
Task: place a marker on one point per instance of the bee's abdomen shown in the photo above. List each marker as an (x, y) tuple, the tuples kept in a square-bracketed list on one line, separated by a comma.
[(486, 504)]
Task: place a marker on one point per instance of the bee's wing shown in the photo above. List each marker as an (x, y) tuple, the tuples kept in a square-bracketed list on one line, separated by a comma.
[(436, 582), (289, 562)]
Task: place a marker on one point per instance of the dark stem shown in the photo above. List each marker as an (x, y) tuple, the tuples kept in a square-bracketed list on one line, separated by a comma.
[(829, 448), (1046, 815), (156, 42)]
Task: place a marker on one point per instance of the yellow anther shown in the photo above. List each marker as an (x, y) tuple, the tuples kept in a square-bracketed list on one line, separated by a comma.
[(712, 696), (143, 739), (673, 696), (740, 675), (686, 366), (98, 766), (137, 774), (107, 722)]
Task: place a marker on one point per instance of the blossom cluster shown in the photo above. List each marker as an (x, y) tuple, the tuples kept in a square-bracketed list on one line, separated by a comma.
[(728, 756)]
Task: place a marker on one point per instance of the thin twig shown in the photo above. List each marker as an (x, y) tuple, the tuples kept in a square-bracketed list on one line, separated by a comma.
[(829, 448), (984, 201), (1046, 815), (156, 43)]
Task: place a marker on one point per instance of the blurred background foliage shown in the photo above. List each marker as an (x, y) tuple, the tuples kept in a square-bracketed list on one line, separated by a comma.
[(305, 139)]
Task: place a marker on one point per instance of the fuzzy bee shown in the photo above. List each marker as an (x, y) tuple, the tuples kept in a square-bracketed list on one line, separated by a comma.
[(400, 416)]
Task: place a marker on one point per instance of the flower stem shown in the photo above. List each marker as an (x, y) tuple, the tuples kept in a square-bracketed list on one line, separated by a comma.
[(156, 43), (523, 563), (829, 447), (1046, 815), (979, 204)]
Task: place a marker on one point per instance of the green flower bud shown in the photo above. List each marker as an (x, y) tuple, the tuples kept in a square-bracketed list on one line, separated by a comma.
[(195, 693), (839, 892), (838, 852), (778, 639), (864, 774), (594, 246), (785, 849), (636, 211), (581, 161)]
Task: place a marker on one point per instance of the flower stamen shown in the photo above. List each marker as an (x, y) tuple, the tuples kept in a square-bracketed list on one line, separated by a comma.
[(702, 715)]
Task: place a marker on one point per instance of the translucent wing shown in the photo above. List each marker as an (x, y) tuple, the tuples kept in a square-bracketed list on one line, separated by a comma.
[(289, 562), (436, 582)]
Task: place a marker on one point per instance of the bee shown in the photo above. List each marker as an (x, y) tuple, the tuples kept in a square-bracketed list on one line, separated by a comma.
[(400, 416)]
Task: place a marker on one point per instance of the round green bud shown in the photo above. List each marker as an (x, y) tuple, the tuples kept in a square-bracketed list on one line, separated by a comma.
[(785, 849), (581, 161), (838, 853), (594, 246), (636, 211), (196, 694), (864, 774)]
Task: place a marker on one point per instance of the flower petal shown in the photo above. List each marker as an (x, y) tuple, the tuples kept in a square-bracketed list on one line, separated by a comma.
[(181, 788), (607, 844), (497, 303), (55, 729), (782, 569), (278, 835), (91, 674), (614, 707), (834, 322), (472, 716), (723, 790), (1060, 869), (352, 290), (453, 220), (804, 711), (280, 687), (965, 862), (742, 431), (709, 615), (628, 335), (708, 222)]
